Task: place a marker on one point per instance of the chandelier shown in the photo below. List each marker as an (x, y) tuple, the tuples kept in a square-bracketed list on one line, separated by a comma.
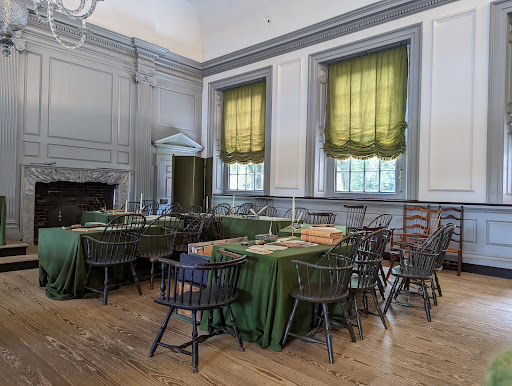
[(13, 18), (82, 12)]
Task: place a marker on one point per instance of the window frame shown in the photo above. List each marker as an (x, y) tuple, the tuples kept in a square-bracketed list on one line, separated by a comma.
[(216, 88), (320, 173)]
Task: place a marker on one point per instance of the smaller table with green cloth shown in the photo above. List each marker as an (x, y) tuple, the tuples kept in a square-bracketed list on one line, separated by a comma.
[(264, 304), (286, 232), (62, 267), (239, 226), (3, 220)]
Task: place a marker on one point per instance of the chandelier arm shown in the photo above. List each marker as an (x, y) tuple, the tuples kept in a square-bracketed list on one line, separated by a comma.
[(83, 33), (73, 16)]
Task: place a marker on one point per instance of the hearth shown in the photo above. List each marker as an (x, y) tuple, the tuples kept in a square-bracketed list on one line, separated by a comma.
[(88, 195)]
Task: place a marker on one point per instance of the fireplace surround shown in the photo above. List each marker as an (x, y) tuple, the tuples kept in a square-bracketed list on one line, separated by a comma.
[(47, 173)]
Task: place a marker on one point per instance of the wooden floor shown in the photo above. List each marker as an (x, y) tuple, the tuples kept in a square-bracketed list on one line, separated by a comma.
[(81, 342)]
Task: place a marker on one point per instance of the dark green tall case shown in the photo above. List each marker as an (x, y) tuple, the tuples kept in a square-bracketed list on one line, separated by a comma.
[(191, 180)]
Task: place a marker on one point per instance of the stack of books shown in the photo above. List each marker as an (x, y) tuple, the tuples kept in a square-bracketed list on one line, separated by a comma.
[(321, 235)]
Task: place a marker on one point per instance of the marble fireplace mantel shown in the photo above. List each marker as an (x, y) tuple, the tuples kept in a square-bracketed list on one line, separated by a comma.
[(50, 173)]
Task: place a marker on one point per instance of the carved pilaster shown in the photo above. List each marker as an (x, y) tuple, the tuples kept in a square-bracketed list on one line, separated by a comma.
[(144, 168), (8, 135)]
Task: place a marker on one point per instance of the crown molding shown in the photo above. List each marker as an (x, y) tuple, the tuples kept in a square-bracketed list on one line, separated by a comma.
[(362, 18), (347, 23)]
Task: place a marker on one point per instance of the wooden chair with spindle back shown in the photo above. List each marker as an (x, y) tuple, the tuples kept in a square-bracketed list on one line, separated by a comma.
[(355, 216), (318, 218), (157, 240), (221, 209), (269, 211), (216, 288), (116, 246), (454, 215), (300, 213), (243, 209), (151, 209), (133, 207)]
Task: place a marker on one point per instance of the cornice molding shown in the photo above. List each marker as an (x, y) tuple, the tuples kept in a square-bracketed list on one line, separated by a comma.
[(347, 23), (362, 18), (145, 79)]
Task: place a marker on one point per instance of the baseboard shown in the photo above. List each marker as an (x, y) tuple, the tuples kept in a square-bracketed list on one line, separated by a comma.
[(487, 271), (19, 266)]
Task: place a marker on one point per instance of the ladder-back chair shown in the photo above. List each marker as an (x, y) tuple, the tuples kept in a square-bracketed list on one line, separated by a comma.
[(454, 215)]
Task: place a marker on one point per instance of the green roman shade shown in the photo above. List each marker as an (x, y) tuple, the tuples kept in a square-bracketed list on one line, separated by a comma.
[(243, 124), (366, 106)]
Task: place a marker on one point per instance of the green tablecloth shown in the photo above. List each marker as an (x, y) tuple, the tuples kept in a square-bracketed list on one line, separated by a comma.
[(285, 232), (88, 216), (264, 303), (62, 267), (3, 219), (238, 226)]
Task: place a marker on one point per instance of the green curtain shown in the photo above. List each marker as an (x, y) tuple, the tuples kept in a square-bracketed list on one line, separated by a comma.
[(243, 124), (366, 103)]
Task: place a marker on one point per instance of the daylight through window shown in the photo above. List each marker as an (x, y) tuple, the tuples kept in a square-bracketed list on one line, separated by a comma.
[(246, 177), (372, 175)]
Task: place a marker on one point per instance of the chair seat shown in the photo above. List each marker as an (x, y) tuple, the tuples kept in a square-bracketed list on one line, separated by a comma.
[(410, 273), (355, 285), (453, 250), (318, 295), (207, 300)]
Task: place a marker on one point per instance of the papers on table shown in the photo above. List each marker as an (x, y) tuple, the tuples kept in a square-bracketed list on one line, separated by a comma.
[(266, 249)]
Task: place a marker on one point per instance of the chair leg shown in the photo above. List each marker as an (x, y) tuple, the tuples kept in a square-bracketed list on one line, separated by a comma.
[(391, 293), (161, 332), (438, 286), (105, 287), (380, 285), (400, 288), (349, 322), (210, 321), (195, 353), (359, 326), (434, 291), (392, 260), (426, 299), (290, 321), (235, 329), (135, 278), (365, 304), (381, 315), (152, 277), (86, 281), (328, 332), (382, 274)]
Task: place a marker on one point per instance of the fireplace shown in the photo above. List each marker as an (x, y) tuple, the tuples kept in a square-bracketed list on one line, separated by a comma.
[(51, 186), (51, 195)]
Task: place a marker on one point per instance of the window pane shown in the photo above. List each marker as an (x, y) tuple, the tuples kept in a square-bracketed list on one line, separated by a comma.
[(241, 182), (371, 182), (259, 168), (342, 181), (372, 164), (259, 182), (343, 165), (250, 168), (387, 181), (388, 165), (357, 181), (357, 164), (250, 182), (233, 184), (233, 168), (242, 168)]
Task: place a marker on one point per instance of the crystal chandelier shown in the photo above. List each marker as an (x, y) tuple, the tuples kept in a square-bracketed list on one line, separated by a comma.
[(13, 18), (82, 12)]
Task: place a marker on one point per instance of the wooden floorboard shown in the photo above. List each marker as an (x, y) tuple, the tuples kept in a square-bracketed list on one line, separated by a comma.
[(82, 342)]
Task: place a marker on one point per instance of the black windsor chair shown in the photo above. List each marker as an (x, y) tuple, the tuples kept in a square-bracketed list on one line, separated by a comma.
[(324, 283), (355, 217), (157, 240), (217, 288), (116, 246)]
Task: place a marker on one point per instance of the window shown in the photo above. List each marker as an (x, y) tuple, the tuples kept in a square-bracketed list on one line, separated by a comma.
[(371, 176), (344, 125), (246, 177)]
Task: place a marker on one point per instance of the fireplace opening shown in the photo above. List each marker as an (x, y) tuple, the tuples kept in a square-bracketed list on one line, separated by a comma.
[(51, 195)]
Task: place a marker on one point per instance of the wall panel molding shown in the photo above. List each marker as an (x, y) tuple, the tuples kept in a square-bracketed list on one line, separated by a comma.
[(452, 102)]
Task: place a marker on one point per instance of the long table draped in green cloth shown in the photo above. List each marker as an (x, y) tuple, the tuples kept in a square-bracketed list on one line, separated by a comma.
[(264, 304), (62, 267), (238, 226), (3, 219)]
